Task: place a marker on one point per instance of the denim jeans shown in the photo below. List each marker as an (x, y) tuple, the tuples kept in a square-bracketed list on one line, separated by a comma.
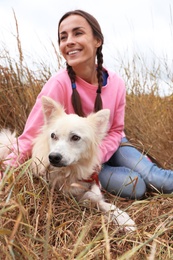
[(129, 174)]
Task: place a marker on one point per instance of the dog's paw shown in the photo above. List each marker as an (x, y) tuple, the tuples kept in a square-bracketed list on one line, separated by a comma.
[(119, 217), (123, 220), (94, 194)]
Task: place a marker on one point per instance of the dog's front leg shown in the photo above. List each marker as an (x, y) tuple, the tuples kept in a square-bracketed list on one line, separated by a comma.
[(117, 216)]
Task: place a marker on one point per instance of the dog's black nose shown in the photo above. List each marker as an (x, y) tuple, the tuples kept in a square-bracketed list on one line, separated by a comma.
[(55, 158)]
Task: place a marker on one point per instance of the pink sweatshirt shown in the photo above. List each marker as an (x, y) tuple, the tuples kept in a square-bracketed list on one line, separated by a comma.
[(59, 88)]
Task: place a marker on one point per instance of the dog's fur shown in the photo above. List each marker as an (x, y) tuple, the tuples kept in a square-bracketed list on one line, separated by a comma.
[(66, 152), (6, 141)]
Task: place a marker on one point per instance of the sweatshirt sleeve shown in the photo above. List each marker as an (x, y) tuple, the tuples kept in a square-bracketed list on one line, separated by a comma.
[(116, 131), (21, 150)]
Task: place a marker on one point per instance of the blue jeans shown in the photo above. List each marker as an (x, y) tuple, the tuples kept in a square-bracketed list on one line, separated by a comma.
[(129, 173)]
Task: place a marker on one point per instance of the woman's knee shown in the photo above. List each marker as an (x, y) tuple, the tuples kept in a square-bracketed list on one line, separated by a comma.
[(123, 182)]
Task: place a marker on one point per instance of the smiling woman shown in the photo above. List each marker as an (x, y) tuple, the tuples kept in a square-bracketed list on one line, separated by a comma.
[(79, 46)]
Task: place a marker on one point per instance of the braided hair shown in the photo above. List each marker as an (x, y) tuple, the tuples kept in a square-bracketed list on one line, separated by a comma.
[(76, 100)]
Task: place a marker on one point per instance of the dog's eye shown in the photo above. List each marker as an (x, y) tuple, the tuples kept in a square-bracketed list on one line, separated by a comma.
[(53, 136), (75, 138)]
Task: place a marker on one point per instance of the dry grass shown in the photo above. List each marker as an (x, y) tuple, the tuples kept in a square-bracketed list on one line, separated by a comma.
[(37, 223)]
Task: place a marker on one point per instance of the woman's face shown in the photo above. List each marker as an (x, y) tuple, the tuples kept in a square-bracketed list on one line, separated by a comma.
[(77, 44)]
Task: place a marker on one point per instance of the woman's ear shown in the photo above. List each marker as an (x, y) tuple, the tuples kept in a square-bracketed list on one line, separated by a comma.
[(98, 42)]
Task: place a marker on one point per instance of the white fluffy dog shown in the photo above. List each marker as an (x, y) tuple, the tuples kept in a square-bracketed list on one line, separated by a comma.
[(66, 151)]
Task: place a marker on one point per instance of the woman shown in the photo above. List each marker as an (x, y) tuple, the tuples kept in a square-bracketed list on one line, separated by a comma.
[(83, 87)]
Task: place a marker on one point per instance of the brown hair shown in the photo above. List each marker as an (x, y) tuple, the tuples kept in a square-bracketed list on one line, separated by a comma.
[(76, 101)]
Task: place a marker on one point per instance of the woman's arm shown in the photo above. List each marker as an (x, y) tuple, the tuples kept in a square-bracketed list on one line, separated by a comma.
[(21, 150)]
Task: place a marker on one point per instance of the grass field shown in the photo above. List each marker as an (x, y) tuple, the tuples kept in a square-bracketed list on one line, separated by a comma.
[(37, 223)]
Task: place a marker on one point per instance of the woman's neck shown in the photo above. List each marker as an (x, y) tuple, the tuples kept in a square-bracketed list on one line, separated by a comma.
[(88, 74)]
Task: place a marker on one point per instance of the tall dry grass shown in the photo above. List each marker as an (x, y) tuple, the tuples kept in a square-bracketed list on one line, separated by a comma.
[(38, 223)]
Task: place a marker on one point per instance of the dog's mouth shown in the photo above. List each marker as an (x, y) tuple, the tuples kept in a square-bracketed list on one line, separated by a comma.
[(58, 165)]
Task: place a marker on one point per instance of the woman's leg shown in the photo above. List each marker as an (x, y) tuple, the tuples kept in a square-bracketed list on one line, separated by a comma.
[(153, 176), (122, 181)]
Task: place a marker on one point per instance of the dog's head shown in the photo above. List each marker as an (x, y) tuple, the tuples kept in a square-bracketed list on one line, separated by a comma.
[(73, 139)]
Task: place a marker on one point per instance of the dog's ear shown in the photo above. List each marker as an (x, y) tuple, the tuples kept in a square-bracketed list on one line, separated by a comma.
[(101, 121), (51, 108)]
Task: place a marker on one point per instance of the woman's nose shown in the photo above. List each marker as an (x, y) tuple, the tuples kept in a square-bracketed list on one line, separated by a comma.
[(70, 40)]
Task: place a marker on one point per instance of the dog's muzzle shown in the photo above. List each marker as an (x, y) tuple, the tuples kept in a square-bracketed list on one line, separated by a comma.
[(55, 159)]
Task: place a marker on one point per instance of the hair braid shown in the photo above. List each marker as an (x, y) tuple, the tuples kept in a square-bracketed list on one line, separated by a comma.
[(75, 98), (98, 101)]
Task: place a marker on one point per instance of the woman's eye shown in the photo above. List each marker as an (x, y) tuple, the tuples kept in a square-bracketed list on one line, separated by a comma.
[(78, 33), (75, 138), (62, 38)]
